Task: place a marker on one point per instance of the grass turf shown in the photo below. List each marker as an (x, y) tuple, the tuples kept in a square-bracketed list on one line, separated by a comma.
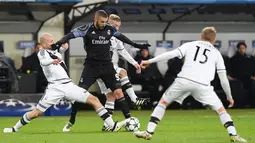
[(177, 126)]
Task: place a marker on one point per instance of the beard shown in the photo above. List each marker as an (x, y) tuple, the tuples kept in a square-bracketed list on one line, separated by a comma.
[(99, 27)]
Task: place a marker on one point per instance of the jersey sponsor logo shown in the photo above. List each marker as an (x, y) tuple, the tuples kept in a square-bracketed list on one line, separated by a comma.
[(17, 105), (102, 40)]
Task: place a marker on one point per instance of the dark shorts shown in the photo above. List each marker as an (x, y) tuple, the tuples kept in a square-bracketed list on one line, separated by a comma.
[(92, 71)]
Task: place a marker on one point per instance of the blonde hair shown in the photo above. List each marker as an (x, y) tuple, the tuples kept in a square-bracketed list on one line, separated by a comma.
[(209, 34), (114, 17)]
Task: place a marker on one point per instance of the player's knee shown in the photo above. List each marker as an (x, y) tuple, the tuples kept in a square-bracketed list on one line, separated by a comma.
[(118, 93), (164, 102), (123, 73), (110, 97), (220, 110), (92, 100), (35, 114)]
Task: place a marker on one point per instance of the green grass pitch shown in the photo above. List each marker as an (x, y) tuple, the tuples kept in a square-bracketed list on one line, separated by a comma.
[(177, 126)]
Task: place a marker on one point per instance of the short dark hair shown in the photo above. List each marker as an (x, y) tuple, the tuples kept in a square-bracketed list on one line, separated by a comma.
[(37, 44), (240, 44), (101, 13)]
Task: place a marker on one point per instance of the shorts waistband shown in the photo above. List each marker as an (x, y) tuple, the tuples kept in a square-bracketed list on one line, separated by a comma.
[(60, 82), (193, 81)]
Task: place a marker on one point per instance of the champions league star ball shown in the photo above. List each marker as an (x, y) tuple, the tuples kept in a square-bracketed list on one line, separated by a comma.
[(133, 124)]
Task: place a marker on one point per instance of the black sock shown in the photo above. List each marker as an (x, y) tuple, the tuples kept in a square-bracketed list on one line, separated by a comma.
[(126, 86), (124, 107), (110, 111), (75, 109)]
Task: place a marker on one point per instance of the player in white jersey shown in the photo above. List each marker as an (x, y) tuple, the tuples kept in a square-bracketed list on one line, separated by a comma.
[(60, 87), (202, 59), (119, 49)]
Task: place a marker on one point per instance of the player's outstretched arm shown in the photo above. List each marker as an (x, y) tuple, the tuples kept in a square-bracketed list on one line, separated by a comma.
[(77, 32), (165, 56), (124, 53), (125, 39), (161, 57)]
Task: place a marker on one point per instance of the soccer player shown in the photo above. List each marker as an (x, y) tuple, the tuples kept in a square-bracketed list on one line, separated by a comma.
[(201, 59), (60, 87), (98, 63), (119, 49)]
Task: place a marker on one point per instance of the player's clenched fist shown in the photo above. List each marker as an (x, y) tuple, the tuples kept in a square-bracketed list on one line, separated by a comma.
[(144, 64), (65, 45), (138, 68)]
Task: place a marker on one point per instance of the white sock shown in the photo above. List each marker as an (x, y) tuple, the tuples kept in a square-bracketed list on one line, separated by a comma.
[(22, 122), (227, 122), (156, 116), (102, 112), (109, 105), (126, 85), (108, 121)]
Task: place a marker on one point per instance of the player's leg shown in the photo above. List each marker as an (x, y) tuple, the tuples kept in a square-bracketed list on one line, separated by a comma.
[(208, 97), (127, 86), (51, 97), (26, 119), (109, 106), (110, 100), (88, 77), (175, 91), (111, 81), (81, 95)]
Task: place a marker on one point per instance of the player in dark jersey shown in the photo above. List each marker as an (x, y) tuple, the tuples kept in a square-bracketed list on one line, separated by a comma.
[(96, 37)]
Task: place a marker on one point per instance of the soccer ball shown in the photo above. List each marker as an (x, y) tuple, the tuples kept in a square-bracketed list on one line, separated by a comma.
[(132, 124)]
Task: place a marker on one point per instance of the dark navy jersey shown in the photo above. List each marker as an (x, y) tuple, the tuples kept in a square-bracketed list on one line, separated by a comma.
[(96, 42)]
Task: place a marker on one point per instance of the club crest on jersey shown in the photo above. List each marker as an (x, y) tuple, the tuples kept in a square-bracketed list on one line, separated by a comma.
[(42, 52), (109, 32)]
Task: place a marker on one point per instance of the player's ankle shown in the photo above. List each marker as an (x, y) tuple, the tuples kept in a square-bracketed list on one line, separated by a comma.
[(151, 133), (14, 129), (232, 135)]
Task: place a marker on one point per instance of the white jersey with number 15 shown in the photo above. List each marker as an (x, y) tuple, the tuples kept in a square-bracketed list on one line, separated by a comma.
[(201, 61)]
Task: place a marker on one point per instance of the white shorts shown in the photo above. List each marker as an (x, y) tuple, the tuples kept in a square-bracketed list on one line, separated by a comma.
[(55, 92), (182, 88), (102, 86)]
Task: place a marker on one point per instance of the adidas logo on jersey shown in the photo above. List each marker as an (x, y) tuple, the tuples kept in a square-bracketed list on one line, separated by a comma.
[(93, 32)]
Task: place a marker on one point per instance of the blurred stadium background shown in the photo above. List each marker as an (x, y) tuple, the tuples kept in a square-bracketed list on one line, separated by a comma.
[(165, 24)]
